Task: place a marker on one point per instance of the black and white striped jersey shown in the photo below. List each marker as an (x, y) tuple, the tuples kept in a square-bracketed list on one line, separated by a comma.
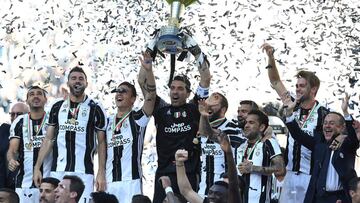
[(258, 187), (75, 140), (31, 134), (298, 158), (125, 140), (213, 161)]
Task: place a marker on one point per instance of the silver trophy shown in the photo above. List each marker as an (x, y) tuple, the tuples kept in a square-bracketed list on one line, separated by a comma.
[(169, 42)]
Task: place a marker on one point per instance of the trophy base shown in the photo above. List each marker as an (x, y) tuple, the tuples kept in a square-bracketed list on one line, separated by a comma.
[(170, 44)]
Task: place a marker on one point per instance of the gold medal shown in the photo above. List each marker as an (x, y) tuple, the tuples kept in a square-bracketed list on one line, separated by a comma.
[(73, 121), (196, 140)]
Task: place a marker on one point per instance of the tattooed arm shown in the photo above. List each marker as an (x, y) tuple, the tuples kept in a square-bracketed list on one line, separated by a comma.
[(273, 73), (146, 81)]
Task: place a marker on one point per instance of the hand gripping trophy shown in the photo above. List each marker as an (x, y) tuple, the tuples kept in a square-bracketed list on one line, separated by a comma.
[(171, 39)]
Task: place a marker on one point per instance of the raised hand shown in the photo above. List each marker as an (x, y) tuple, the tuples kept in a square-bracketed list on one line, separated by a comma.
[(165, 181), (289, 105), (268, 49), (181, 155), (146, 61), (356, 125), (203, 107), (224, 142), (345, 104)]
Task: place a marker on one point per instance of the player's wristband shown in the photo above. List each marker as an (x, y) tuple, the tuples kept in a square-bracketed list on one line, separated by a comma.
[(202, 92), (168, 189)]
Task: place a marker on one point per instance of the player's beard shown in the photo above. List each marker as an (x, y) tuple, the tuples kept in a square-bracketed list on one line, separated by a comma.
[(214, 116), (241, 122), (77, 89)]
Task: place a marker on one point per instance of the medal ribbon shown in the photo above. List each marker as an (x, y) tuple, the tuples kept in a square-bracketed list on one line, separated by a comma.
[(251, 151), (309, 115), (117, 126), (29, 126), (76, 110), (217, 121)]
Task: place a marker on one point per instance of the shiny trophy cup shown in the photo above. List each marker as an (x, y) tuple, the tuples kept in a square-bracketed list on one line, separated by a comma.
[(169, 42)]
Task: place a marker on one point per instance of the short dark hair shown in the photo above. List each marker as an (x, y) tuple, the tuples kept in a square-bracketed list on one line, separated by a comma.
[(310, 77), (184, 79), (100, 197), (342, 119), (140, 199), (130, 86), (14, 197), (253, 104), (76, 185), (262, 117), (53, 181), (222, 183), (36, 87), (224, 101), (77, 69)]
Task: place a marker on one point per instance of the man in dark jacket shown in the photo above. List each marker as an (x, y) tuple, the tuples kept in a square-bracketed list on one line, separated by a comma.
[(331, 169)]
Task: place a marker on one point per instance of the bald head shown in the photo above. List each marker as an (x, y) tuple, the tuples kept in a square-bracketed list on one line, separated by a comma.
[(18, 109)]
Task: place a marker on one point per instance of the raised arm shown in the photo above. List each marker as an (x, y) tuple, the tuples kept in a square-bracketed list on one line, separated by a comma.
[(351, 142), (183, 182), (46, 147), (146, 81), (273, 73), (166, 183), (201, 60), (205, 128), (234, 190)]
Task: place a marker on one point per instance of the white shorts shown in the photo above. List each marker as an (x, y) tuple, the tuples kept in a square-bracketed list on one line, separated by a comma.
[(124, 190), (294, 187), (88, 180), (28, 195)]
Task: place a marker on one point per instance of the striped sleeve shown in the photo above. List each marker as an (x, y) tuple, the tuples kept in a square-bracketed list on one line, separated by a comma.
[(16, 128), (54, 112), (235, 134), (140, 118), (274, 147), (100, 118)]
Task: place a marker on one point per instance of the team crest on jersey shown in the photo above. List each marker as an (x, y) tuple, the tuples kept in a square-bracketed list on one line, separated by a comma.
[(83, 113), (183, 114), (28, 146), (257, 153), (177, 114), (125, 124)]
